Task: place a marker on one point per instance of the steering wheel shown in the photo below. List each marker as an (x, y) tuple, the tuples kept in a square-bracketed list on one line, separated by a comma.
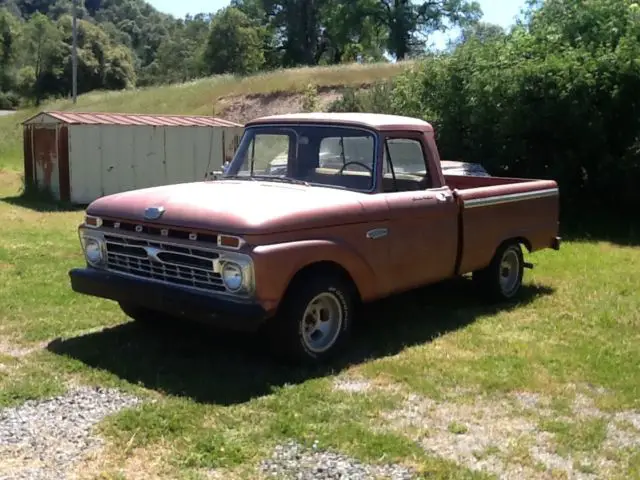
[(357, 163)]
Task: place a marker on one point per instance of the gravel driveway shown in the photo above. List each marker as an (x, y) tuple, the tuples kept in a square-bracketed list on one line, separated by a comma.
[(42, 440)]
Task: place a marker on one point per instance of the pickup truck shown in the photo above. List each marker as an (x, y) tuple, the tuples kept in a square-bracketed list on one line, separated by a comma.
[(292, 252)]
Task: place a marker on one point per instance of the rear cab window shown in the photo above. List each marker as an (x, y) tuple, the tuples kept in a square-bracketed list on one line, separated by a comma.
[(404, 165)]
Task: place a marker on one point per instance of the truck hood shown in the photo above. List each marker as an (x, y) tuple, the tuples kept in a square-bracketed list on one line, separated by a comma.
[(236, 206)]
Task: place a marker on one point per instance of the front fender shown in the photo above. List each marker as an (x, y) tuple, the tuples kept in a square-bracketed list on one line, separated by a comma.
[(276, 265)]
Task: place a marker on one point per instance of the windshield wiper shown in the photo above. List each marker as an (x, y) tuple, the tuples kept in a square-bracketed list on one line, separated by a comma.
[(237, 177), (268, 178), (273, 178)]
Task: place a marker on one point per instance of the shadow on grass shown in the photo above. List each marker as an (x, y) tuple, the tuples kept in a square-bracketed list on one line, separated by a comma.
[(41, 202), (225, 368)]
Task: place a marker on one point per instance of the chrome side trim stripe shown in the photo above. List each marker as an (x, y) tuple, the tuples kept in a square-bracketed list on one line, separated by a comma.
[(510, 198)]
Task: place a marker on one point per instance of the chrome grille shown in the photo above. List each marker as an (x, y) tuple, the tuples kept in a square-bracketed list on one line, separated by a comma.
[(175, 264)]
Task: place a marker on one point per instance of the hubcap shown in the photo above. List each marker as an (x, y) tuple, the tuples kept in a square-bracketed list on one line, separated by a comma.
[(321, 322), (509, 272)]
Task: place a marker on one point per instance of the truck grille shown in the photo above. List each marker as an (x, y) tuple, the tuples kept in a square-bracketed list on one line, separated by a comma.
[(179, 265)]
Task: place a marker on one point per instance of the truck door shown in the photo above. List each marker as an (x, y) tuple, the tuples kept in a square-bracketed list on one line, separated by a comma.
[(423, 223)]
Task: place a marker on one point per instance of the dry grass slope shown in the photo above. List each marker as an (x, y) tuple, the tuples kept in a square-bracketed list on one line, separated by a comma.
[(200, 97)]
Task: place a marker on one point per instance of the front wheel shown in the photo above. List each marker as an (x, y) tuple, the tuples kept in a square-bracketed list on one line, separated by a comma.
[(502, 279), (315, 321)]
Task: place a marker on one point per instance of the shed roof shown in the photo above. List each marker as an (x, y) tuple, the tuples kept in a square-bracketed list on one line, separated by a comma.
[(95, 118)]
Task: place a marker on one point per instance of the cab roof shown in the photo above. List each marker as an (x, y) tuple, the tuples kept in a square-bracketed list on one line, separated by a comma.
[(376, 121)]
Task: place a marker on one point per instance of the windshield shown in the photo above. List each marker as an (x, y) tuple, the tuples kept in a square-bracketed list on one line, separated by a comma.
[(340, 157)]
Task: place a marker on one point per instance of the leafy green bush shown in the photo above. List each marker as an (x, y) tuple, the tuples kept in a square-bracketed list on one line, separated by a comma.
[(556, 98), (375, 99), (9, 100)]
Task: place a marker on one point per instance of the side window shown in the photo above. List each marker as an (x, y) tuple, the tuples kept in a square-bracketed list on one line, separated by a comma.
[(405, 167)]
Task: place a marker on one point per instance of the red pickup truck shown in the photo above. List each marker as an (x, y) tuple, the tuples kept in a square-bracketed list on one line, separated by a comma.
[(315, 214)]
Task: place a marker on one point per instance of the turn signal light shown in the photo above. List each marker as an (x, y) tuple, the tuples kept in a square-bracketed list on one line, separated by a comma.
[(229, 241), (93, 222)]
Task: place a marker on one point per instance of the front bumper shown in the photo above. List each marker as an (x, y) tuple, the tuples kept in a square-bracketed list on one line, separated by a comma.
[(173, 300)]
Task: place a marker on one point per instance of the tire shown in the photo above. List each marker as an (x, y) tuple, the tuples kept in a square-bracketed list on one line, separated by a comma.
[(314, 323), (501, 280)]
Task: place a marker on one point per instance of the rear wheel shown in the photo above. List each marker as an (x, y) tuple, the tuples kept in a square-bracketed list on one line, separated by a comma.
[(502, 279), (315, 321)]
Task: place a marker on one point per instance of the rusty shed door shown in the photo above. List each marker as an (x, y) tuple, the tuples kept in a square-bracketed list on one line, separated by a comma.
[(45, 156)]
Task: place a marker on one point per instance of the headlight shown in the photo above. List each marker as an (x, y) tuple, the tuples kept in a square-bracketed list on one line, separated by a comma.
[(232, 276), (93, 250)]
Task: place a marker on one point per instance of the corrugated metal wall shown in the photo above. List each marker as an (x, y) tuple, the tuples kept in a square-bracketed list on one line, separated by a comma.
[(106, 159)]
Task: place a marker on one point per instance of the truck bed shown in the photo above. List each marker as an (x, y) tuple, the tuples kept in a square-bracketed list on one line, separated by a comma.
[(495, 209)]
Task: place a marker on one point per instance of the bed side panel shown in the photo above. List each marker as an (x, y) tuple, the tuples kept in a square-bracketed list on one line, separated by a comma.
[(491, 215), (465, 182)]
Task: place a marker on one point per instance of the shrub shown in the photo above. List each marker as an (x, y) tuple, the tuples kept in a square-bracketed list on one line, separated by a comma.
[(9, 100), (375, 99)]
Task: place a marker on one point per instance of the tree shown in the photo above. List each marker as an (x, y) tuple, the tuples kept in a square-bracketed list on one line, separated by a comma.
[(481, 31), (9, 33), (311, 32), (140, 25), (308, 32), (43, 52), (556, 97), (350, 33), (234, 44), (410, 23), (589, 24), (10, 6), (181, 56), (102, 64)]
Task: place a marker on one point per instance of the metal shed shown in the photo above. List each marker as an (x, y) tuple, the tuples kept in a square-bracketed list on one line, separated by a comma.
[(79, 157)]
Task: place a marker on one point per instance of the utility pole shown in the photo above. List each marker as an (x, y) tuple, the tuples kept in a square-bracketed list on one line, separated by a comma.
[(74, 56)]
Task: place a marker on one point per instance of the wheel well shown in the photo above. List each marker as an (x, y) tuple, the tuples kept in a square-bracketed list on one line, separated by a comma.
[(518, 240), (325, 267), (522, 241)]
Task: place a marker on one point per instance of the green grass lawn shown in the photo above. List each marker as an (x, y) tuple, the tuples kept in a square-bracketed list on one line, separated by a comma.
[(549, 385)]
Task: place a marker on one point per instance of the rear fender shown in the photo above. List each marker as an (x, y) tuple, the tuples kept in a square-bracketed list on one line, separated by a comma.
[(277, 264)]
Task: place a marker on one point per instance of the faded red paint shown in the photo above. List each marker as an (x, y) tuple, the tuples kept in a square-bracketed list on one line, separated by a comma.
[(45, 155), (28, 155)]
